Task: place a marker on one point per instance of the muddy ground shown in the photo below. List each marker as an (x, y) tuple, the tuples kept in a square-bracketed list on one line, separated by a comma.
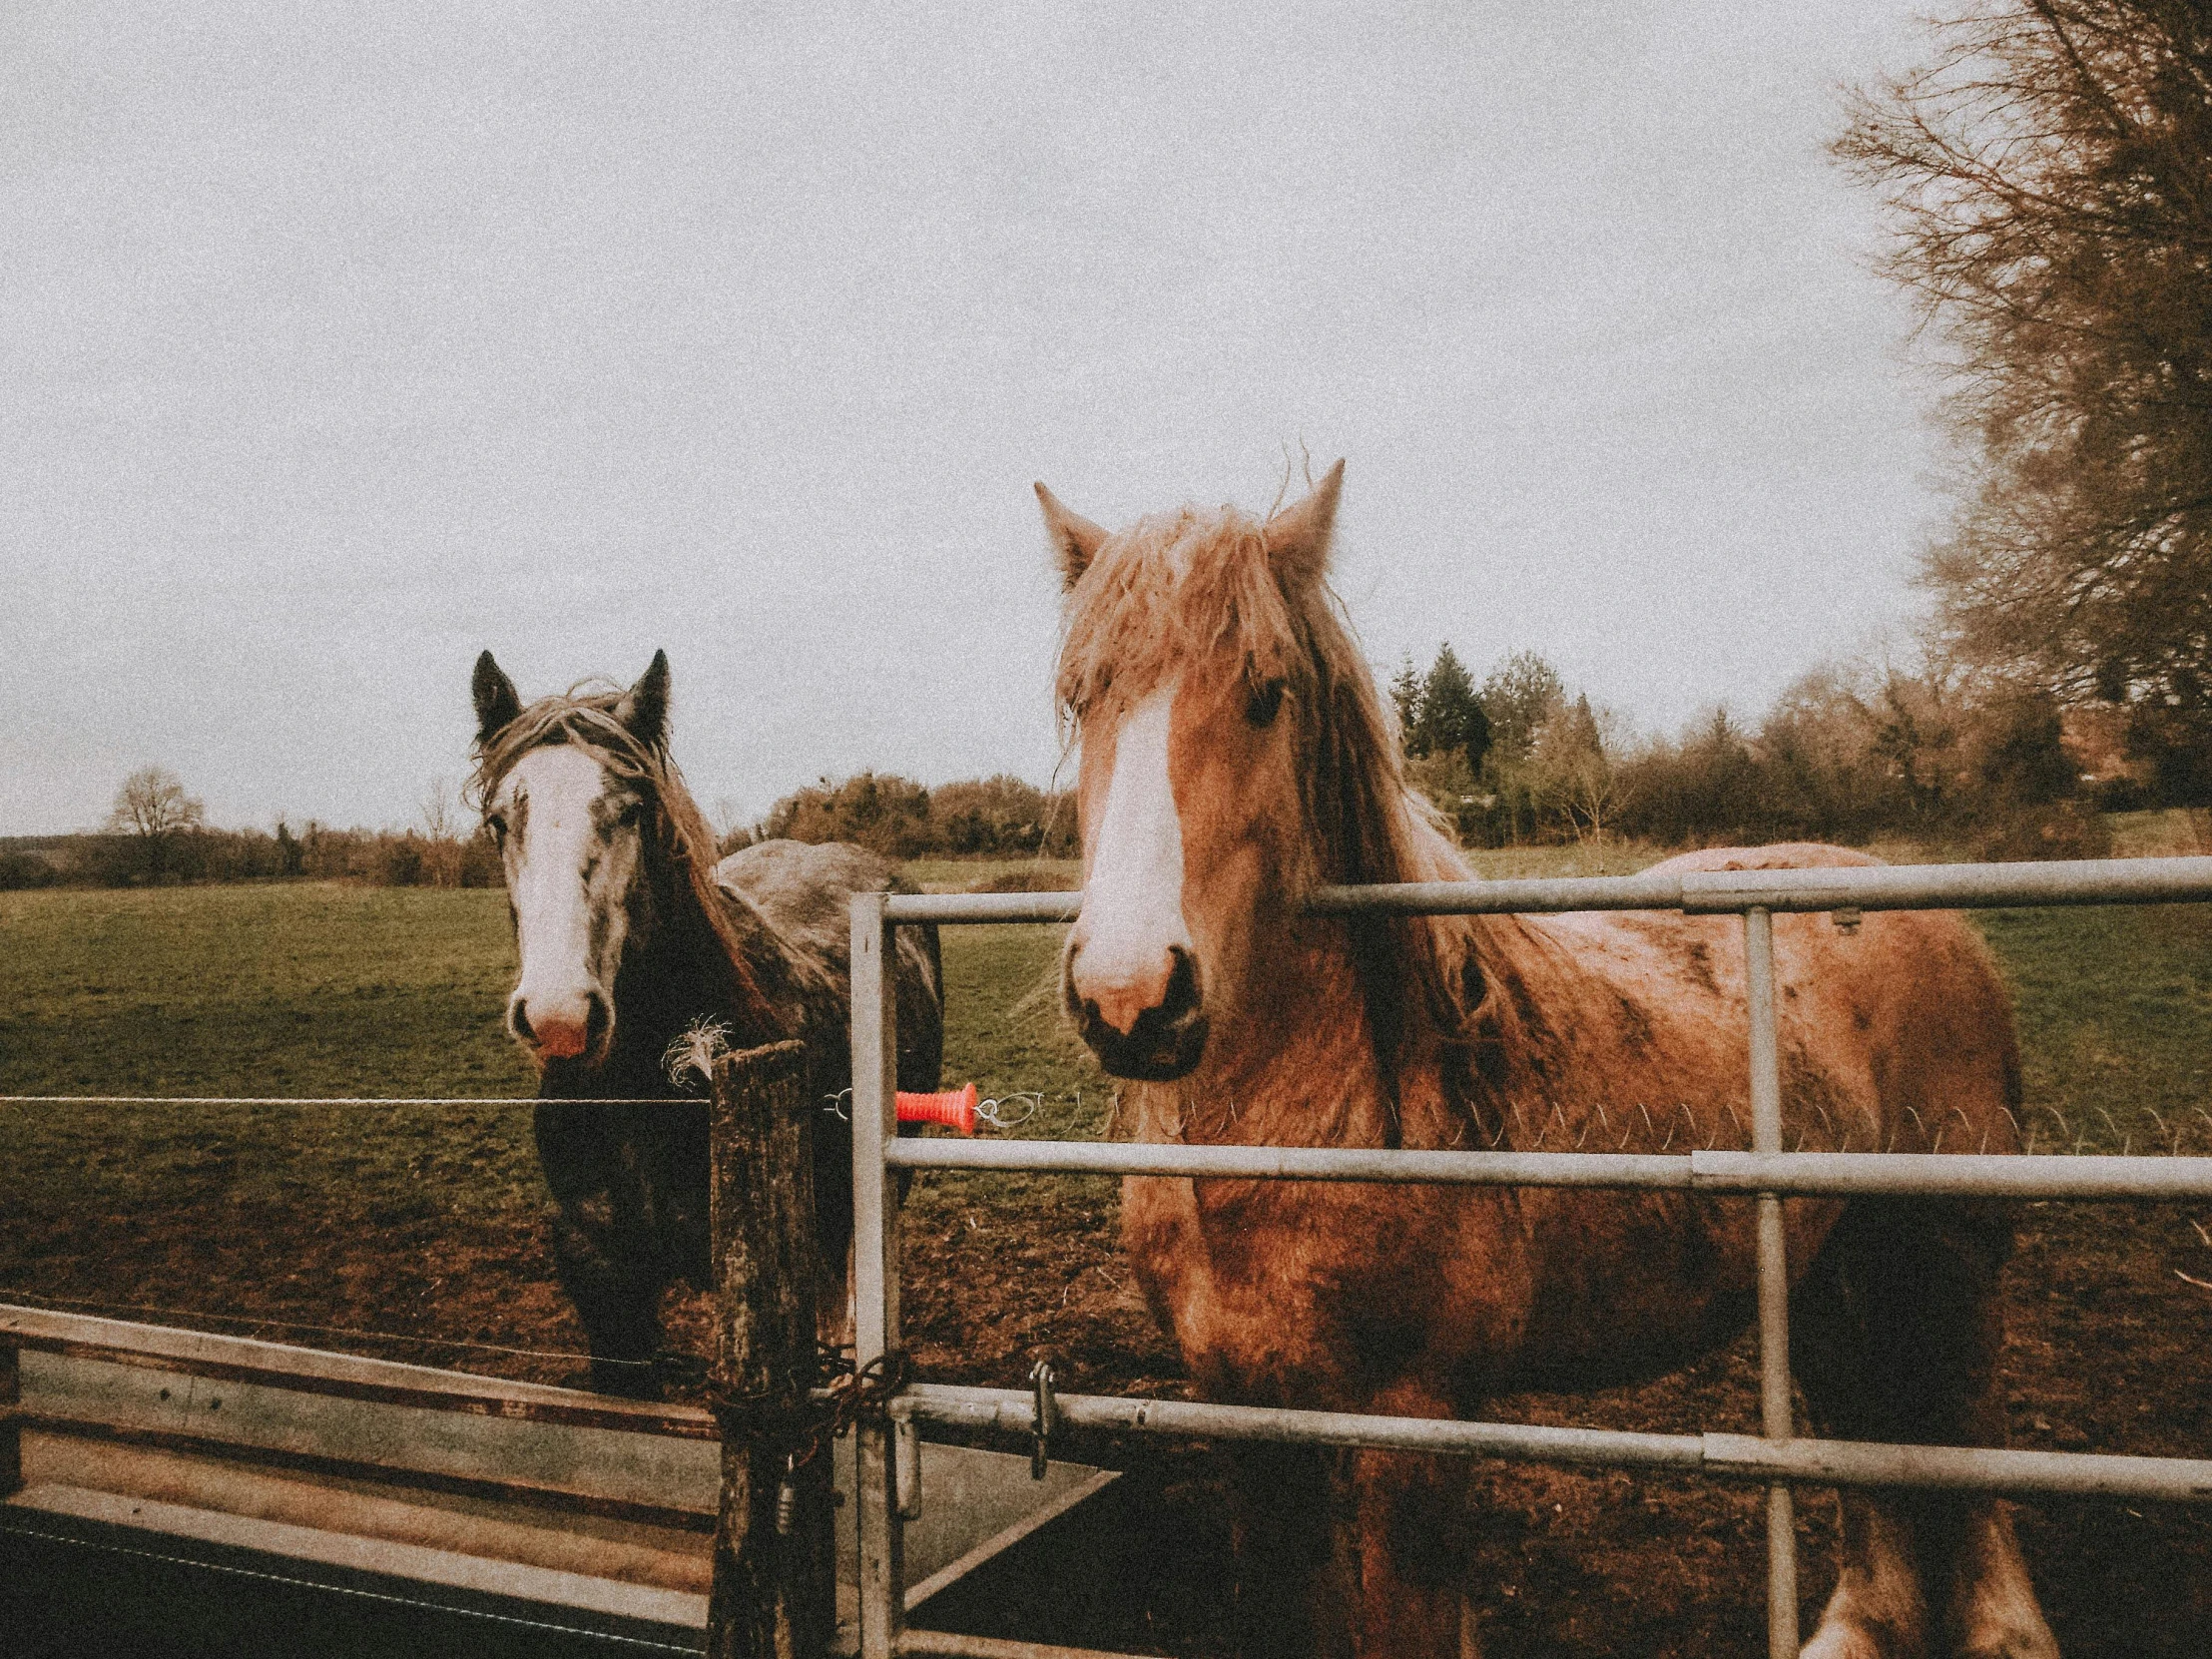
[(2110, 1350)]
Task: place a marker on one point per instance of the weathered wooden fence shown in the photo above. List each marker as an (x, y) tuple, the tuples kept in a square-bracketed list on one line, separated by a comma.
[(774, 1579)]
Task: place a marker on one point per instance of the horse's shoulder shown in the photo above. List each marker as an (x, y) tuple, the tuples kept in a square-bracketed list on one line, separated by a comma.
[(1780, 856)]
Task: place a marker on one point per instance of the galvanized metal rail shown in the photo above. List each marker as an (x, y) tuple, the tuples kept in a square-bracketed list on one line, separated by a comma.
[(1766, 1173)]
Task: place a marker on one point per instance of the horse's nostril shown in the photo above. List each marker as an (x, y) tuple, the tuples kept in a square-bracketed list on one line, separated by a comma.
[(1182, 994), (519, 1019)]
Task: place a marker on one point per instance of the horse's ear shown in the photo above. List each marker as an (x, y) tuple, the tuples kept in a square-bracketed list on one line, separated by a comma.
[(1298, 536), (643, 707), (497, 701), (1076, 539)]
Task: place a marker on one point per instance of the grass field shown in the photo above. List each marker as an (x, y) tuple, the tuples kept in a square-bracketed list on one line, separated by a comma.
[(325, 991), (418, 1232)]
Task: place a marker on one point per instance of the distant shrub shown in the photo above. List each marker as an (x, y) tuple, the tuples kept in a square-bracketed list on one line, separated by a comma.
[(21, 870), (1036, 879), (2066, 829), (894, 815)]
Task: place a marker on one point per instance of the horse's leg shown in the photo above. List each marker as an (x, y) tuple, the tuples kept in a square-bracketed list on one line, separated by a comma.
[(603, 1259), (1895, 1335), (1289, 1598), (836, 1309), (1401, 1544)]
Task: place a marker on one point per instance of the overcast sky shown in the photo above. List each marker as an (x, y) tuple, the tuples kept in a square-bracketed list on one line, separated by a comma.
[(341, 342)]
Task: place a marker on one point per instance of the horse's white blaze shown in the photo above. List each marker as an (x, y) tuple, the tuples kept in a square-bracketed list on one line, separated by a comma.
[(1133, 892), (553, 842)]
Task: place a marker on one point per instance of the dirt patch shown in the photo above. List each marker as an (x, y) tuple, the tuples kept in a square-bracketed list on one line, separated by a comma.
[(2108, 1352)]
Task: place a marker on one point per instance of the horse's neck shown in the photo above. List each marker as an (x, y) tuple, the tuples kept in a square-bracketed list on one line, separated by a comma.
[(1302, 1063), (683, 976)]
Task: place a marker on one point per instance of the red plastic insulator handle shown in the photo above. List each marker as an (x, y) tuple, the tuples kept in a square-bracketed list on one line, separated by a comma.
[(955, 1107)]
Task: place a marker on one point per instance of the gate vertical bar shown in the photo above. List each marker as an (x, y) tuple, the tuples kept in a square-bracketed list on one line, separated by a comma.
[(1774, 1281), (875, 1268)]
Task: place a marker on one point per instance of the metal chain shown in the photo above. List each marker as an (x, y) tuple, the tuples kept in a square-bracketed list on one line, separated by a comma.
[(815, 1409)]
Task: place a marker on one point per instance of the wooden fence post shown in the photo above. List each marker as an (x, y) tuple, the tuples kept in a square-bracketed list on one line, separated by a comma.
[(775, 1595)]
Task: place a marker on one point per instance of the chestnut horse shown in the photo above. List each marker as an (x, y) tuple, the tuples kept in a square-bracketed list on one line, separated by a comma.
[(631, 935), (1236, 755)]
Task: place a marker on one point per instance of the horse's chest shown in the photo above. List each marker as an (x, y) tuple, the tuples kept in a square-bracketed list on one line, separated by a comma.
[(1274, 1299)]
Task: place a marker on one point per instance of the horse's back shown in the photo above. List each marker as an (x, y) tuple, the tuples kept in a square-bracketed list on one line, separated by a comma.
[(1898, 1012), (805, 888), (1780, 856), (805, 892)]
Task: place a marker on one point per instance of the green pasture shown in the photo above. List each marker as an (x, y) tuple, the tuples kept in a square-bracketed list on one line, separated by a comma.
[(327, 990), (320, 990)]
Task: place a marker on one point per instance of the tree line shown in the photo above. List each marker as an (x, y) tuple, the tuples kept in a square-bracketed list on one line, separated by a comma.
[(2048, 176), (157, 833), (1851, 753), (2048, 179), (1002, 816)]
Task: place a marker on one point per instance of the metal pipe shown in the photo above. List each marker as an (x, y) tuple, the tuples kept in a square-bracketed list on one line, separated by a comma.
[(991, 1647), (2005, 1469), (1950, 886), (2088, 1178), (1012, 1412), (2019, 1472), (1773, 1280), (959, 908), (1796, 1174), (1299, 1163), (1698, 892), (875, 1267), (1828, 888)]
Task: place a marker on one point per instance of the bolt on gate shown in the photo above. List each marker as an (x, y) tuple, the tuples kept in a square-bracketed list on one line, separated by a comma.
[(1777, 1457)]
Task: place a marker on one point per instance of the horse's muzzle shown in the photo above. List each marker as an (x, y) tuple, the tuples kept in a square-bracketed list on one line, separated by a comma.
[(564, 1031), (1163, 1042)]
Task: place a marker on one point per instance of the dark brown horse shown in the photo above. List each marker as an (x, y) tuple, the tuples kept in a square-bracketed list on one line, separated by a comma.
[(631, 935), (1235, 755)]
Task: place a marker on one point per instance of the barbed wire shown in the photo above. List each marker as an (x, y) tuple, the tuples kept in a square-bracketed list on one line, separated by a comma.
[(1595, 1131)]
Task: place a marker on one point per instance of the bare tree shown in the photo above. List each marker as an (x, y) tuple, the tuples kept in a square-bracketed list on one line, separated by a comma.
[(1573, 772), (153, 808), (2052, 177), (441, 812), (441, 828)]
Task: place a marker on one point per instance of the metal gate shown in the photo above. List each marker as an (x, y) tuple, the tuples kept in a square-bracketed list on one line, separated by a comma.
[(1778, 1458)]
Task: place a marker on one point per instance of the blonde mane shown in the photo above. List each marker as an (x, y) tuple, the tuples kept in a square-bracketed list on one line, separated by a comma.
[(585, 717), (1181, 588)]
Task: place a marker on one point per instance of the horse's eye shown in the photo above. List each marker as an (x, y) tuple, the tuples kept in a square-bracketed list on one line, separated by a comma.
[(1263, 704), (497, 825)]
